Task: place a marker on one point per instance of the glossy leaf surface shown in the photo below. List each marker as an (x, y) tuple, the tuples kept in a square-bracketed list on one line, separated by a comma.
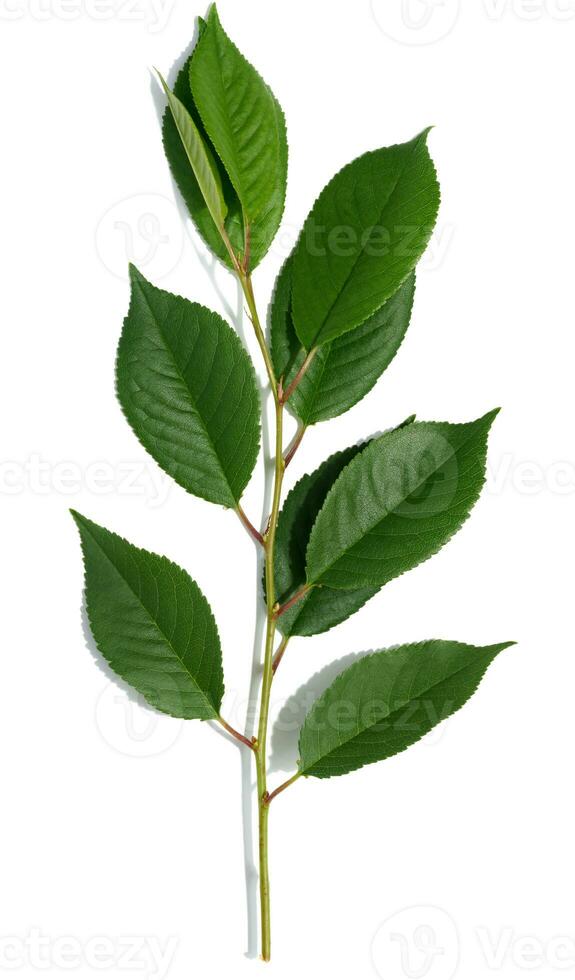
[(152, 624), (388, 700), (188, 389), (345, 370), (397, 503), (362, 238), (245, 125)]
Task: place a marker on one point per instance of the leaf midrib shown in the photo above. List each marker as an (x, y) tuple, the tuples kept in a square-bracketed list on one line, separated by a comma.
[(248, 218), (389, 513), (395, 711), (356, 261), (152, 619), (187, 387)]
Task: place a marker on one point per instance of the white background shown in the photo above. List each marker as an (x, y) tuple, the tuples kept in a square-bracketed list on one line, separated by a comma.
[(120, 825)]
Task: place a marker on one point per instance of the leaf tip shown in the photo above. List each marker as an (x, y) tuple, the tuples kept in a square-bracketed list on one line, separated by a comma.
[(79, 519), (135, 274), (163, 83), (213, 16), (490, 417), (498, 648), (408, 421), (423, 134)]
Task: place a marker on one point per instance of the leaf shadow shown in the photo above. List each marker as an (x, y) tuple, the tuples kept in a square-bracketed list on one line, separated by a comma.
[(286, 727), (249, 800)]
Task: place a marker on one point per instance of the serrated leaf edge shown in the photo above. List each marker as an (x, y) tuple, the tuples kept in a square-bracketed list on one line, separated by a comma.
[(422, 135), (79, 520), (136, 277), (213, 15), (349, 335), (489, 415), (497, 647)]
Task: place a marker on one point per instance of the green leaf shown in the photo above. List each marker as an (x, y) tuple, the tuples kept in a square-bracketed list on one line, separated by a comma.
[(246, 126), (189, 188), (200, 157), (362, 238), (152, 624), (388, 700), (189, 391), (397, 503), (346, 369), (320, 609)]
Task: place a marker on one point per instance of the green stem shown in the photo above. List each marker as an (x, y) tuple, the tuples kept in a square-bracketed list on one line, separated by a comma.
[(260, 746), (246, 284), (266, 687)]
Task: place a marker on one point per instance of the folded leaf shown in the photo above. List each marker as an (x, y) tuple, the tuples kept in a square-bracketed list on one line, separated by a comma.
[(397, 503), (200, 158), (388, 700), (320, 609), (186, 180), (246, 126), (189, 391), (346, 369), (152, 624), (362, 238)]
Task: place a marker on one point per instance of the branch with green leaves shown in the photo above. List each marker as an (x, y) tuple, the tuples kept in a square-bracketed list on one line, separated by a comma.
[(188, 388)]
